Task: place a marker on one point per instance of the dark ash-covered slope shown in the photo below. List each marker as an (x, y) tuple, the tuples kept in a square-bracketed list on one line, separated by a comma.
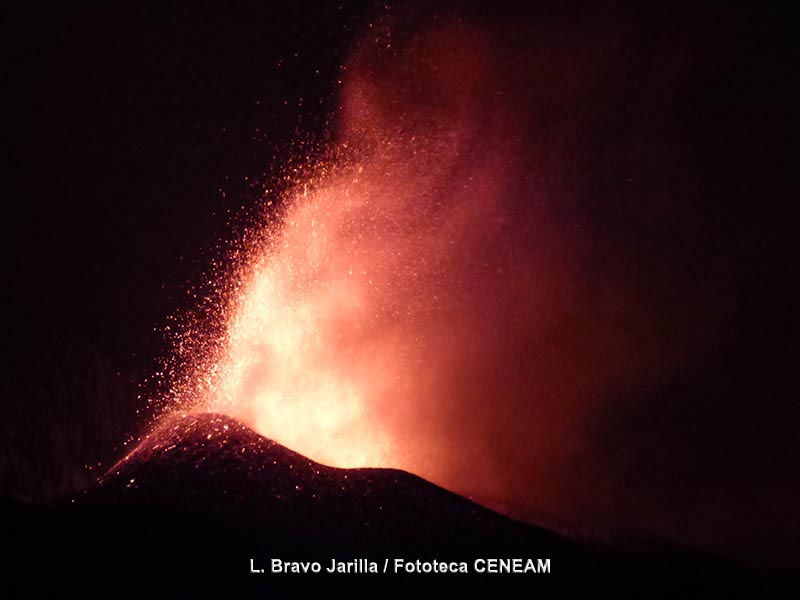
[(203, 495), (210, 463)]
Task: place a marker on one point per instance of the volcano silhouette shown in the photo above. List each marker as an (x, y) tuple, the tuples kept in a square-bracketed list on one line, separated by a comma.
[(202, 495), (213, 463)]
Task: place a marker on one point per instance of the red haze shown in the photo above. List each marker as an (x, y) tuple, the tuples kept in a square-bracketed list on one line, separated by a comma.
[(494, 254), (428, 301)]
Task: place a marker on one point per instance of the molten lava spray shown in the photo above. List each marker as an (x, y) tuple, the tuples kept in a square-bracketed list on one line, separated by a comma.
[(436, 293), (430, 299)]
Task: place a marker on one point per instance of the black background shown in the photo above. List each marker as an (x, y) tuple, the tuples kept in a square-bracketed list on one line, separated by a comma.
[(130, 131)]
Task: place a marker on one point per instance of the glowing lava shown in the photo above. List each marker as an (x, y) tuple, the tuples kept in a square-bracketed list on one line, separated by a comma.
[(394, 275), (430, 298)]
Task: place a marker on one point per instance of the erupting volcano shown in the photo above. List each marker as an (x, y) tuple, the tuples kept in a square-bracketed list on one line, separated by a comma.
[(430, 292), (514, 286)]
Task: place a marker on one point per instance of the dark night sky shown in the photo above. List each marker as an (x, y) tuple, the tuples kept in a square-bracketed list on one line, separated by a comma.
[(124, 122)]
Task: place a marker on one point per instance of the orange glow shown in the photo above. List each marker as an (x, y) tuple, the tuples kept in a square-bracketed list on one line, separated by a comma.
[(284, 373), (428, 297)]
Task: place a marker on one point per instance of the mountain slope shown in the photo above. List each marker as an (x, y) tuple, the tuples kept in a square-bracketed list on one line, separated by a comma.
[(203, 495)]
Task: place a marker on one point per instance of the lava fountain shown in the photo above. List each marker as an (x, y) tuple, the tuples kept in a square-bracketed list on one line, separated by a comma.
[(432, 296)]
